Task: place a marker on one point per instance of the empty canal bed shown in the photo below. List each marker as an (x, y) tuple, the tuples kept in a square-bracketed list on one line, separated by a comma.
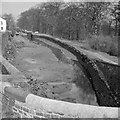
[(52, 72)]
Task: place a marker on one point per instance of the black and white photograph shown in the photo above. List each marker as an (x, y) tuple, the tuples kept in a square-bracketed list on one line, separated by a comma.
[(59, 59)]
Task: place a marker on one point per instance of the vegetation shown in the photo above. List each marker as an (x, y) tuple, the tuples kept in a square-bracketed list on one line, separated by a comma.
[(75, 21), (105, 44), (8, 48)]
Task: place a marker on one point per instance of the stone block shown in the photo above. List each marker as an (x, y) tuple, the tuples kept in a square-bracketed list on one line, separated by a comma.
[(17, 106), (25, 109), (31, 111), (54, 115), (47, 115), (37, 117), (20, 111), (23, 116), (11, 102), (25, 113), (17, 115), (14, 109), (39, 113), (30, 116)]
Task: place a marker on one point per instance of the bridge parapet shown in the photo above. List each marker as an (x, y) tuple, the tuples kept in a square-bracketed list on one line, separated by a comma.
[(31, 106)]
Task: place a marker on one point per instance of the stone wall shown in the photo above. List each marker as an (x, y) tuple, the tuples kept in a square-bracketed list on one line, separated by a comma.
[(14, 102), (37, 107), (26, 105), (21, 110), (106, 93)]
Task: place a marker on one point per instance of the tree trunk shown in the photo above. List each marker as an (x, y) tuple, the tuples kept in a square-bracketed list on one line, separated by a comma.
[(69, 30), (77, 33), (109, 32), (116, 27)]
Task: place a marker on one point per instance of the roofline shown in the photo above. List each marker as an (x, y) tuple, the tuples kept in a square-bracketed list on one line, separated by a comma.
[(2, 18)]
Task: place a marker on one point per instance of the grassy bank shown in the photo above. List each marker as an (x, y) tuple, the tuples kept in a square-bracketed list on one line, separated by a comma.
[(7, 46), (104, 44)]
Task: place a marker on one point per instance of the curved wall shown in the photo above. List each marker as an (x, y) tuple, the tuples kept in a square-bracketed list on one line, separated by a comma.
[(26, 105), (29, 106), (101, 83)]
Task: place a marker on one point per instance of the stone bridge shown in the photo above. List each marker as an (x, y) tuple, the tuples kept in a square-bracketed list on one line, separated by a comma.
[(26, 105)]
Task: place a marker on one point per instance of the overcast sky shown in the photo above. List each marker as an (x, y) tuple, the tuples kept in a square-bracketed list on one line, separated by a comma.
[(15, 7)]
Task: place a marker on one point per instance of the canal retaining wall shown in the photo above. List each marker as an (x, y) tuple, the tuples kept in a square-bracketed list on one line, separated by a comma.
[(103, 75), (27, 105)]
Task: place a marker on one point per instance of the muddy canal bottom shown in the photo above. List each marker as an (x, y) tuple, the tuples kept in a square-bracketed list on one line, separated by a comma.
[(53, 72)]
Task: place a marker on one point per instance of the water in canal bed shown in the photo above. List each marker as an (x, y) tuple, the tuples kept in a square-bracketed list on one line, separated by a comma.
[(78, 90)]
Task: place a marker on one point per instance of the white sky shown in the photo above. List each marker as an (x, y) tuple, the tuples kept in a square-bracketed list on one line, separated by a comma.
[(15, 7)]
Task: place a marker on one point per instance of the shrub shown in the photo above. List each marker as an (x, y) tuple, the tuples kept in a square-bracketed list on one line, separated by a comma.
[(8, 49), (104, 43)]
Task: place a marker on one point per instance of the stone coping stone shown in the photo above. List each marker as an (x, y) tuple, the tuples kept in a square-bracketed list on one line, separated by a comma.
[(71, 109), (16, 93)]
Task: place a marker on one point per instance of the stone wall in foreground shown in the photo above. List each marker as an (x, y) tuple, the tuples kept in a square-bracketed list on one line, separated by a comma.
[(20, 109), (25, 105)]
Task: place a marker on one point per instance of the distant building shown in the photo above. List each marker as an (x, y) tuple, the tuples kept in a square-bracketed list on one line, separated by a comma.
[(2, 25)]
